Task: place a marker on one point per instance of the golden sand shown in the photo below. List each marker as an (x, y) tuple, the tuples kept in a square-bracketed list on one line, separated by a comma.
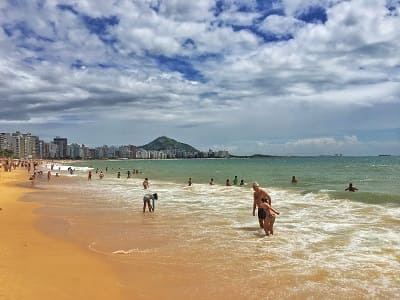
[(36, 266), (39, 262)]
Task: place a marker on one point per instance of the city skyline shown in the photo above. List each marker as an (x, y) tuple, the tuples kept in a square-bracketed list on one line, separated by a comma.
[(24, 145), (273, 77)]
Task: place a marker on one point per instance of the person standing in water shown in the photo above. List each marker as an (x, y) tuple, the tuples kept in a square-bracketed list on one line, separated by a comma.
[(153, 198), (146, 183), (146, 202), (235, 180), (351, 188), (266, 214), (190, 181)]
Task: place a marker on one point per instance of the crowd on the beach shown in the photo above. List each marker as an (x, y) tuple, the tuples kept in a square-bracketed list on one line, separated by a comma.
[(31, 166)]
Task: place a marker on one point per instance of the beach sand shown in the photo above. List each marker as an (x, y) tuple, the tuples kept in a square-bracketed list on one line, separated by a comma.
[(44, 258), (36, 266)]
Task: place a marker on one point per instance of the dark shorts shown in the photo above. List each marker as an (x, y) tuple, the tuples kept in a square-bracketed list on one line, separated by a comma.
[(261, 213)]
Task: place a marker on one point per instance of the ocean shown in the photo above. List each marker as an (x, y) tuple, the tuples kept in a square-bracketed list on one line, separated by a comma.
[(327, 243)]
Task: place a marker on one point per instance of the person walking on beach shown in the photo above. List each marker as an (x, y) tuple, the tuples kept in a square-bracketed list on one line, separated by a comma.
[(48, 175), (266, 214), (89, 177), (351, 188), (146, 183)]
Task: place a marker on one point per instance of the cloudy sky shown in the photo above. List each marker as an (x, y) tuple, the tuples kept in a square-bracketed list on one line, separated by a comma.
[(289, 77)]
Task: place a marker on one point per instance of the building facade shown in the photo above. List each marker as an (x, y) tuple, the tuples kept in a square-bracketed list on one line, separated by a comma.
[(62, 147)]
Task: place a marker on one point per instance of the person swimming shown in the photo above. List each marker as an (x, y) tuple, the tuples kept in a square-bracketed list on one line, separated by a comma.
[(351, 188)]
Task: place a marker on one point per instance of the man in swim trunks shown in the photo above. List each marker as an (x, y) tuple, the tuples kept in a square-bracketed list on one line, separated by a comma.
[(266, 214)]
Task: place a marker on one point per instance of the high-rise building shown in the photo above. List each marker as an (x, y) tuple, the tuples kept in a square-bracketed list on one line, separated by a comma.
[(6, 141), (62, 146), (53, 151), (43, 150), (74, 151), (132, 151), (23, 145), (31, 146)]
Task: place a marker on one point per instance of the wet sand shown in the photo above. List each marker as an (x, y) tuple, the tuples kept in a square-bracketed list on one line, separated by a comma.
[(140, 247), (37, 266)]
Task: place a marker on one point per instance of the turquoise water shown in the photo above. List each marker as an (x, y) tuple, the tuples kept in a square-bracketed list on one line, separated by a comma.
[(378, 178)]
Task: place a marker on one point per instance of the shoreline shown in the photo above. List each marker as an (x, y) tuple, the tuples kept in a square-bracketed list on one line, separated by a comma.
[(37, 266), (199, 243), (141, 250), (50, 254)]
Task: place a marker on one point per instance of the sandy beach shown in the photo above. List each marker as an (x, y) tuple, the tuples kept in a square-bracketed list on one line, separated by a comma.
[(36, 266), (44, 258)]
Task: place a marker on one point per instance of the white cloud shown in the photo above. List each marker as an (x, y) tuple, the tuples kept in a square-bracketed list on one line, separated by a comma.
[(349, 63), (187, 10), (352, 25), (233, 17), (323, 141), (280, 25)]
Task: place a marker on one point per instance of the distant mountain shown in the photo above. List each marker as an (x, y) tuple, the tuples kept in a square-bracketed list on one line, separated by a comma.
[(165, 143)]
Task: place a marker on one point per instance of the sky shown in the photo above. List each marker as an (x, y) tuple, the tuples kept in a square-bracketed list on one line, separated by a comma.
[(279, 77)]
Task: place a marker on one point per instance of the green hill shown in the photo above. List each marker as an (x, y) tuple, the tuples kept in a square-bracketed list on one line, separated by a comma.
[(165, 143)]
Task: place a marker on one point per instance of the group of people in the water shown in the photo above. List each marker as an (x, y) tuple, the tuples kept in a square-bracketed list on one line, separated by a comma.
[(227, 183), (350, 188), (234, 182), (261, 199)]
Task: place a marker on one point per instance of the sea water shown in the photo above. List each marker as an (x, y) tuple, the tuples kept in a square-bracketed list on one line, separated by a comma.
[(327, 242)]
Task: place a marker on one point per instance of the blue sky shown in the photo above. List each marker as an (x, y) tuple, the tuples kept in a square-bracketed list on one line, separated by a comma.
[(284, 77)]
